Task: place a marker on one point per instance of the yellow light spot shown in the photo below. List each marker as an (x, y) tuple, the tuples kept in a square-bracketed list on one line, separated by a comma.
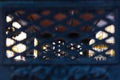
[(19, 48), (35, 53), (110, 40), (91, 53), (110, 29), (110, 52), (35, 42), (100, 47), (44, 47), (101, 35), (92, 41)]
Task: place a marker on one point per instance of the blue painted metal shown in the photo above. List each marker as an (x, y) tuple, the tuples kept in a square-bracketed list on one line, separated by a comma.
[(58, 69)]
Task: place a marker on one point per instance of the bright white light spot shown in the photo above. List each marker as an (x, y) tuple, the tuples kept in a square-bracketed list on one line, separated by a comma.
[(9, 54), (110, 40), (9, 18), (35, 42), (101, 35), (53, 43), (19, 48), (16, 25), (59, 50), (21, 36), (35, 53), (92, 41), (110, 29), (19, 58), (78, 46), (81, 53), (59, 55), (9, 42)]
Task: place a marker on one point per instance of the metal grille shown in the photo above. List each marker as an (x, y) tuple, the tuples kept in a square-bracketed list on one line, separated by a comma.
[(60, 35)]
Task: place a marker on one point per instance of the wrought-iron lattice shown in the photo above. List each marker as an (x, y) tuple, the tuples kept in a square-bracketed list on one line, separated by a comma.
[(60, 35)]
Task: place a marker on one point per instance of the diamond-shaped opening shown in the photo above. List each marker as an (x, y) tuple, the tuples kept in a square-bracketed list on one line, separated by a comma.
[(33, 16), (10, 29), (46, 58), (73, 35), (35, 52), (21, 36), (84, 53), (87, 16), (16, 25), (35, 42), (87, 53), (111, 17), (60, 16), (59, 41), (9, 53), (60, 28), (32, 54), (91, 42), (73, 22), (60, 53), (73, 46), (9, 42), (100, 11), (87, 29), (46, 47), (100, 47), (110, 29), (46, 35), (100, 35), (46, 23), (19, 58), (85, 40), (23, 22), (19, 48), (9, 18), (72, 57), (100, 58), (72, 12), (110, 52), (32, 29), (91, 53), (19, 12), (101, 23), (46, 12), (110, 40)]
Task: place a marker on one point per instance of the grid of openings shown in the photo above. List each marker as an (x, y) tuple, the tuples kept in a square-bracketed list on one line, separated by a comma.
[(68, 34)]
